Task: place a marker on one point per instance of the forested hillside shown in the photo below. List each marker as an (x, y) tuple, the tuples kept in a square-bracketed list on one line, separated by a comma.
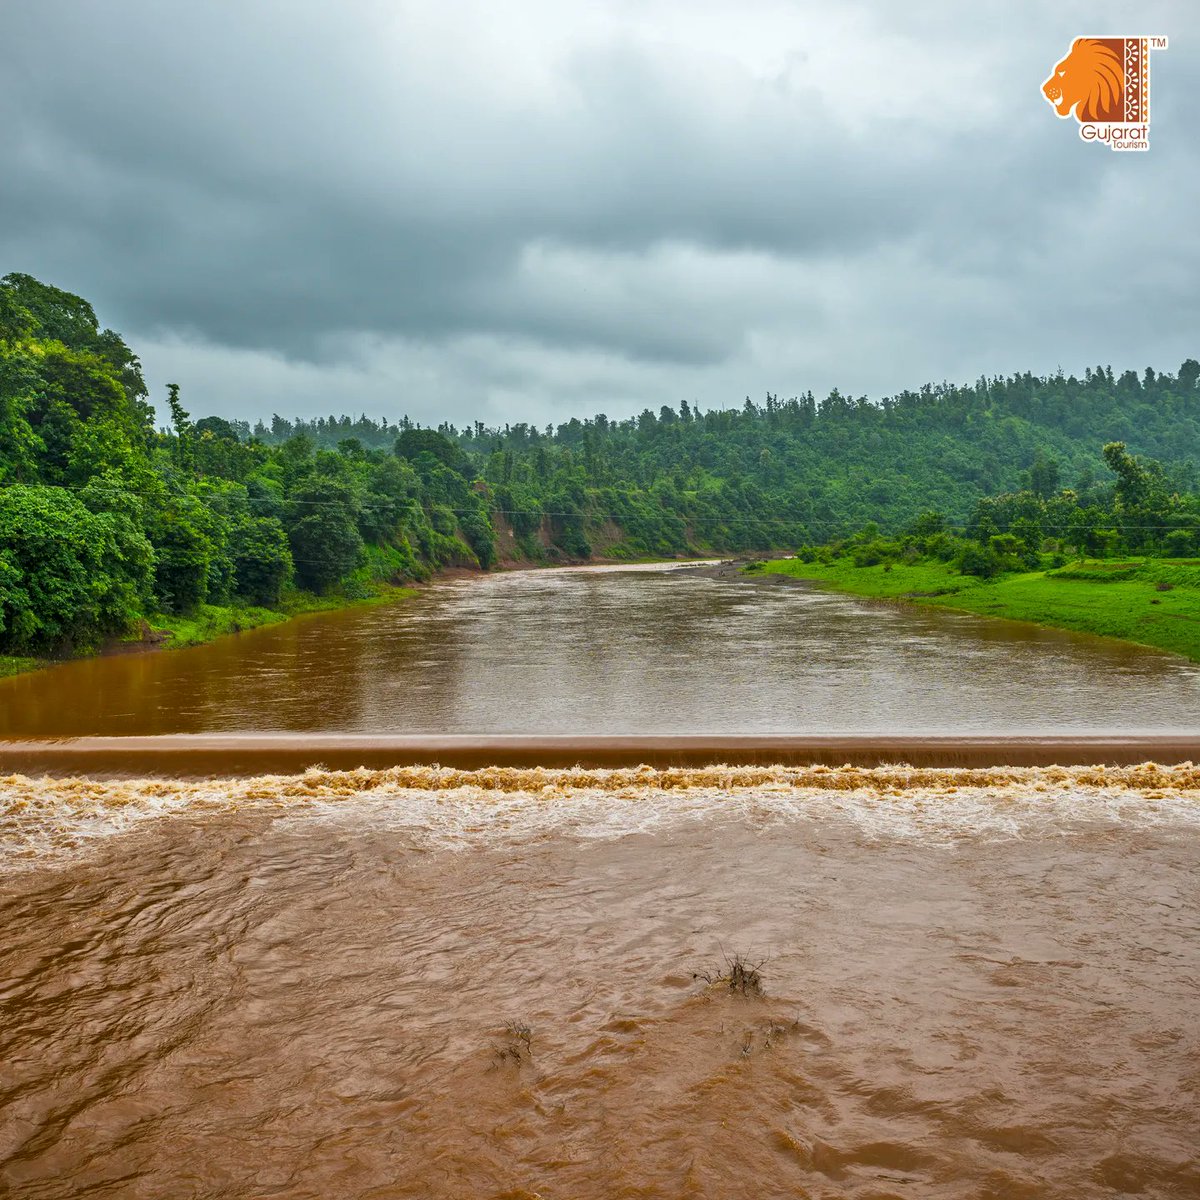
[(105, 519)]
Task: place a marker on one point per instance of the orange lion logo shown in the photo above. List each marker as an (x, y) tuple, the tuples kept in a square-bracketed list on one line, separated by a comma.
[(1090, 81)]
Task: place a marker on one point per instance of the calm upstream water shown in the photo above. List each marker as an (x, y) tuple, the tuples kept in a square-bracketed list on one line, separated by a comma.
[(508, 984), (619, 650)]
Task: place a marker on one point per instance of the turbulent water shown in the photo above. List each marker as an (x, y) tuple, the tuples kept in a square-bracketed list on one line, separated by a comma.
[(620, 650), (448, 984), (513, 984)]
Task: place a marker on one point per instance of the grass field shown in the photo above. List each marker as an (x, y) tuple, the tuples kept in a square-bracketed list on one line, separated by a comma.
[(1154, 602)]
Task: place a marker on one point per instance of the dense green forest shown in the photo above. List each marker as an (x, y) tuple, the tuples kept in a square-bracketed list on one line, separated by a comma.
[(106, 520)]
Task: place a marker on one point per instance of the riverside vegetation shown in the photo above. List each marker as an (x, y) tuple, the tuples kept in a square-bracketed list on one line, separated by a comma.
[(1132, 577), (1154, 602), (111, 528)]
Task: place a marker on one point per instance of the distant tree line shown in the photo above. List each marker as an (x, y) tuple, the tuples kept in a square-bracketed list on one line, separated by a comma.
[(1042, 524), (105, 520)]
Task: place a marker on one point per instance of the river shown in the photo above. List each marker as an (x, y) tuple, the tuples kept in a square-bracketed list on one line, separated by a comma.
[(619, 650), (512, 984)]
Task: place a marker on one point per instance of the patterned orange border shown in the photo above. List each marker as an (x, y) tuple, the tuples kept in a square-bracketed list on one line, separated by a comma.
[(1137, 80)]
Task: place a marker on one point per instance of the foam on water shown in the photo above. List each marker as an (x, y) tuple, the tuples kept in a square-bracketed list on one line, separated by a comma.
[(43, 820)]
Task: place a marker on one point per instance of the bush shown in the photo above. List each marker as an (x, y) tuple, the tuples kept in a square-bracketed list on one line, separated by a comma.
[(1179, 543), (943, 546), (68, 576), (980, 561), (873, 553), (738, 973)]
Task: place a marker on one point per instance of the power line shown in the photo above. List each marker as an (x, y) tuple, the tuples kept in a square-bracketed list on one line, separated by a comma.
[(688, 518)]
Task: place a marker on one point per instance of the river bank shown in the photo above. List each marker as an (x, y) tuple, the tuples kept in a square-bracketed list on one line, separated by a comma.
[(1148, 602), (171, 631)]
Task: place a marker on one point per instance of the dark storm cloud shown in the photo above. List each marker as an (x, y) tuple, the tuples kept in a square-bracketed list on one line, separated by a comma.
[(473, 207)]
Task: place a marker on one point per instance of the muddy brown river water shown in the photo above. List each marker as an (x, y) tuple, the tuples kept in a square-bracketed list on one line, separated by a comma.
[(619, 650), (507, 983)]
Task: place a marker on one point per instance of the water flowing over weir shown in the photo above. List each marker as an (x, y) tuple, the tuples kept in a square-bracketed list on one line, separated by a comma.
[(443, 983), (206, 755), (242, 961)]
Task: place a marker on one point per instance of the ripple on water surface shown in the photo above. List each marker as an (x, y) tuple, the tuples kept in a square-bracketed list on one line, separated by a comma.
[(454, 984), (648, 651)]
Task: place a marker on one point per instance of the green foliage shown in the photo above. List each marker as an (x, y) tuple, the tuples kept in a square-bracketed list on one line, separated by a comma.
[(323, 533), (413, 443), (20, 446), (67, 575), (874, 551), (1180, 543), (30, 308), (262, 559), (184, 555), (480, 536)]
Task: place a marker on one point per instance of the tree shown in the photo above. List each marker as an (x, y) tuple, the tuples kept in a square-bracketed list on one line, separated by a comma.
[(56, 315), (20, 447), (927, 525), (68, 576), (16, 321), (984, 562), (480, 536), (184, 555), (323, 533), (217, 426), (262, 559), (412, 443), (184, 447), (1180, 543), (1133, 481), (1044, 477)]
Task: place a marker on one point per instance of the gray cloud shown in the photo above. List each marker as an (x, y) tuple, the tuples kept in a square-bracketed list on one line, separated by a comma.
[(534, 210)]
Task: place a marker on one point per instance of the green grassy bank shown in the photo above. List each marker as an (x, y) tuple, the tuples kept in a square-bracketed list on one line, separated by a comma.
[(210, 621), (1153, 602), (14, 665)]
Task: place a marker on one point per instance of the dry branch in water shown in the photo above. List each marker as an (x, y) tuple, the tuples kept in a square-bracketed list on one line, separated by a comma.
[(517, 1046), (738, 974)]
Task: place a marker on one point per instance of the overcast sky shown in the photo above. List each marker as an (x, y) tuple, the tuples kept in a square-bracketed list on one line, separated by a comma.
[(535, 209)]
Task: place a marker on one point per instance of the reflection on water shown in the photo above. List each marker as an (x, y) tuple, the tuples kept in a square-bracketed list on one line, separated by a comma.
[(984, 992), (624, 650)]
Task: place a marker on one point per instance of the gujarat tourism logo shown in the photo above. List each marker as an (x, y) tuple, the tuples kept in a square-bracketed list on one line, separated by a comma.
[(1104, 83)]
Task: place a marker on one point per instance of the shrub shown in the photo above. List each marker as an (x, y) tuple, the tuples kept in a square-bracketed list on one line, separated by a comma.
[(1179, 543), (980, 561), (67, 575), (874, 552)]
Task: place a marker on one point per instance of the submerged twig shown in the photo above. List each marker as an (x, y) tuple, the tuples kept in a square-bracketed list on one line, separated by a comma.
[(517, 1047), (738, 973)]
